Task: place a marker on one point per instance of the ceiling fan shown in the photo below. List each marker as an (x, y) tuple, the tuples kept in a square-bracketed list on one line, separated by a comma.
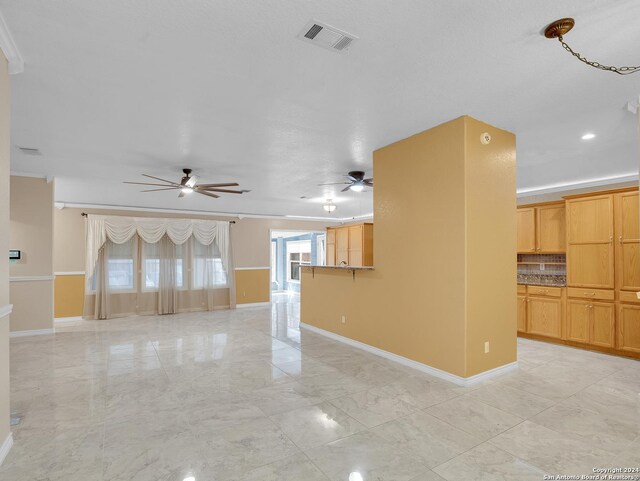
[(356, 182), (188, 184)]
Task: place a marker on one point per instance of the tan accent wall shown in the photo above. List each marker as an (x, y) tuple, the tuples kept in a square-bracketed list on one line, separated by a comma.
[(252, 285), (31, 208), (444, 254), (250, 242), (68, 300), (5, 140)]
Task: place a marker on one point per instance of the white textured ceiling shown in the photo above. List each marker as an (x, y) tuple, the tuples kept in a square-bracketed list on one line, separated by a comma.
[(113, 89)]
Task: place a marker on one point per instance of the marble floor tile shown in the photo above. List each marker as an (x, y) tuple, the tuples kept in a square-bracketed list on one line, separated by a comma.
[(488, 463), (513, 401), (427, 438), (551, 451), (245, 395), (474, 417), (313, 426), (365, 456)]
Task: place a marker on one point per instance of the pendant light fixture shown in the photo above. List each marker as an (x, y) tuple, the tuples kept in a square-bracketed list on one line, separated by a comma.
[(329, 206), (563, 26)]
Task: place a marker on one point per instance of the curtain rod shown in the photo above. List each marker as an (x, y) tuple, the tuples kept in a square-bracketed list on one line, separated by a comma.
[(84, 214)]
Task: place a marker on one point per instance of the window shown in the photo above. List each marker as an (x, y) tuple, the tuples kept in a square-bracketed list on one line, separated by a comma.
[(321, 250), (298, 254), (208, 269), (151, 266), (120, 265)]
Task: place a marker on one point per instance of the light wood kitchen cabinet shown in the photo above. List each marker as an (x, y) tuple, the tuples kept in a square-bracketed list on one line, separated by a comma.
[(590, 253), (541, 229), (522, 313), (544, 316), (591, 322), (526, 229), (627, 254), (352, 245), (629, 328)]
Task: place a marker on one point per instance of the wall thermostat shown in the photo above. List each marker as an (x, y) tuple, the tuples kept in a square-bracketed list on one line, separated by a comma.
[(485, 138), (14, 255)]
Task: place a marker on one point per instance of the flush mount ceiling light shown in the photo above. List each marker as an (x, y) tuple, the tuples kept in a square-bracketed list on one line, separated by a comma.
[(588, 136), (329, 206), (563, 26)]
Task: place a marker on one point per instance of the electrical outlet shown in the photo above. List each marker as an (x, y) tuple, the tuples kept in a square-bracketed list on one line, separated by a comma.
[(344, 319), (541, 267), (486, 347), (244, 293)]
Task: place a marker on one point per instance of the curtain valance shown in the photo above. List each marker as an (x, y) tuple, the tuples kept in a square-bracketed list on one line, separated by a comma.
[(121, 229)]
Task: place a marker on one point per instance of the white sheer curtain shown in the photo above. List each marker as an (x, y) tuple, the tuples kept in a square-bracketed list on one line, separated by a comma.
[(156, 266)]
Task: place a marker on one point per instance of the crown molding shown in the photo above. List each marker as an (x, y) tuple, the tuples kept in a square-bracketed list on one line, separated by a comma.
[(10, 49), (578, 184)]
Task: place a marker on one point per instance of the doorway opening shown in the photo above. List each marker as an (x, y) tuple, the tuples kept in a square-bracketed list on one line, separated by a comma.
[(290, 250)]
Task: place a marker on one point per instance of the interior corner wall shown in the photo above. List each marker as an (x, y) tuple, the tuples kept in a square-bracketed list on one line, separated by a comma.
[(250, 243), (490, 248), (417, 303), (31, 277), (5, 142)]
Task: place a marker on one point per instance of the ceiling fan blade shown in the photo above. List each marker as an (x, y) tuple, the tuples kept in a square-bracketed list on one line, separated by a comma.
[(207, 193), (192, 181), (351, 177), (156, 190), (346, 188), (146, 183), (163, 180), (180, 195), (337, 183), (214, 189), (229, 184), (369, 180)]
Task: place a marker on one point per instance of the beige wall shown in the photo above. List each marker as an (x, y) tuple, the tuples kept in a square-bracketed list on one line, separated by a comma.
[(444, 250), (250, 242), (5, 102), (31, 208)]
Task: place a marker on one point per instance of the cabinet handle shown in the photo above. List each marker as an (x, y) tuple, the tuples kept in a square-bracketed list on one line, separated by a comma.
[(589, 293), (620, 239), (610, 239)]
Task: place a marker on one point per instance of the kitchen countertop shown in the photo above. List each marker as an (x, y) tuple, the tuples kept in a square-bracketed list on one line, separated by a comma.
[(525, 283), (344, 268)]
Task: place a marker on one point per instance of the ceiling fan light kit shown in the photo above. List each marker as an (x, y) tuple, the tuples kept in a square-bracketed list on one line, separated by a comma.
[(329, 206), (561, 27), (188, 184)]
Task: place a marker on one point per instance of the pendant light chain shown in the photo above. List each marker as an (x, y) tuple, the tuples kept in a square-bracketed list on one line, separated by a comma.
[(618, 70)]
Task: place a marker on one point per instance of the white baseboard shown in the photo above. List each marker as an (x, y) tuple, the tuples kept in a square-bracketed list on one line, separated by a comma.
[(34, 332), (253, 304), (62, 320), (435, 372), (6, 447)]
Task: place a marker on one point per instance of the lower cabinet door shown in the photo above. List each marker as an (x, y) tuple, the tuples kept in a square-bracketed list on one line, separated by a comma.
[(629, 328), (578, 313), (522, 313), (603, 321), (544, 316)]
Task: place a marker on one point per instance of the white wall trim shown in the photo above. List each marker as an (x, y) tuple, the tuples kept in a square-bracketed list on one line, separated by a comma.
[(10, 49), (252, 304), (236, 215), (460, 381), (62, 320), (30, 278), (69, 273), (252, 268), (34, 332), (578, 184), (6, 447), (5, 310)]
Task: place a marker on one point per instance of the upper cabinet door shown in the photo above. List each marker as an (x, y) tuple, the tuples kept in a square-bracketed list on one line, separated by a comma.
[(590, 220), (627, 241), (526, 230), (551, 229)]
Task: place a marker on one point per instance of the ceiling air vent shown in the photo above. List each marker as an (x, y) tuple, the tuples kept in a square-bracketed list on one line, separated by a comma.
[(326, 36), (30, 151)]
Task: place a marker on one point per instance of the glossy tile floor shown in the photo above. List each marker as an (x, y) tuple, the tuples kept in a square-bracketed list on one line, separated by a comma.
[(244, 395)]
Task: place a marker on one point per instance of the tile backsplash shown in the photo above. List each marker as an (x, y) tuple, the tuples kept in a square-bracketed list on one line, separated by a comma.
[(544, 269)]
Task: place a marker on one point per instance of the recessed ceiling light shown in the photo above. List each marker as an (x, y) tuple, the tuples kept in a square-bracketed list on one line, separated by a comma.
[(588, 136)]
